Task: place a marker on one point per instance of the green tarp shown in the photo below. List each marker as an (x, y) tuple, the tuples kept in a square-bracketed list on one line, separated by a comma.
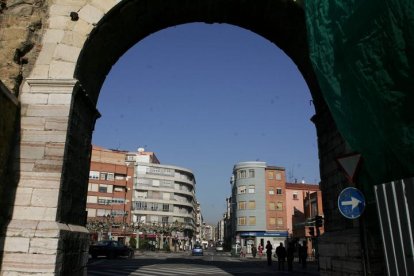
[(363, 56)]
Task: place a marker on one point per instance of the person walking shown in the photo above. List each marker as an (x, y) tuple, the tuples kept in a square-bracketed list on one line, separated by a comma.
[(260, 249), (304, 254), (281, 256), (290, 254), (254, 251), (269, 249)]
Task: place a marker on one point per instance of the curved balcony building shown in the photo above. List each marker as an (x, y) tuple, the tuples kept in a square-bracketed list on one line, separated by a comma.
[(163, 195)]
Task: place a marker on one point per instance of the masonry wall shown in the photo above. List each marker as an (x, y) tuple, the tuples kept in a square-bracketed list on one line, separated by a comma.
[(21, 27)]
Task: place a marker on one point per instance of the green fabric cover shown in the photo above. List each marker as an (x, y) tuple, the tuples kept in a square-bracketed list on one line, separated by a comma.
[(363, 56)]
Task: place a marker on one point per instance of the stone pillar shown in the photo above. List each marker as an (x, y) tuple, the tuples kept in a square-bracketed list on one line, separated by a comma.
[(41, 237)]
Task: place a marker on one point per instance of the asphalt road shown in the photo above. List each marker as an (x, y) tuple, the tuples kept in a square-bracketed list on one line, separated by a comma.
[(182, 263)]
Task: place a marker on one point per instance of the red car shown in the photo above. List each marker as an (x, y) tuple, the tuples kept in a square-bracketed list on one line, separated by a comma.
[(110, 249)]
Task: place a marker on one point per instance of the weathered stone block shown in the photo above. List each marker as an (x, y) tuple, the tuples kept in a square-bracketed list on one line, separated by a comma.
[(46, 54), (90, 14), (48, 111), (67, 53), (43, 136), (104, 6), (43, 245), (61, 22), (74, 39), (40, 71), (61, 69), (23, 196), (83, 28), (39, 183), (28, 262), (50, 229), (53, 36), (45, 197), (22, 228), (56, 124), (64, 9), (34, 213), (36, 123), (32, 151), (347, 266), (17, 244), (64, 99)]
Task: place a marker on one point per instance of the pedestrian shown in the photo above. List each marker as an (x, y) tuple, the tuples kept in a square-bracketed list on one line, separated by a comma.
[(281, 256), (299, 252), (269, 249), (243, 252), (290, 255), (254, 251), (260, 249), (304, 254)]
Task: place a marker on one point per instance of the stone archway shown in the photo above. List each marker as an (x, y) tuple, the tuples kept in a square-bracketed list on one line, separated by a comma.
[(58, 97)]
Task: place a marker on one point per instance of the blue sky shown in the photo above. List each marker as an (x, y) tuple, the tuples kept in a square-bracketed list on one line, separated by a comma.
[(204, 97)]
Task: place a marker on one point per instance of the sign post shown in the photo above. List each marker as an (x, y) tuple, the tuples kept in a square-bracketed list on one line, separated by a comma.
[(351, 203)]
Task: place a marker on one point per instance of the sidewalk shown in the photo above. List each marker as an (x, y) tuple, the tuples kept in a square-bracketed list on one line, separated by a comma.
[(311, 267)]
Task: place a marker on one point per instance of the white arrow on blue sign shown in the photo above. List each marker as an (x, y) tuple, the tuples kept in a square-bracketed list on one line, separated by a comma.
[(351, 203)]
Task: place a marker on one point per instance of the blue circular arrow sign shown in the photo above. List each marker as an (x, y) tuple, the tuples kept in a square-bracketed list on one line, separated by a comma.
[(351, 203)]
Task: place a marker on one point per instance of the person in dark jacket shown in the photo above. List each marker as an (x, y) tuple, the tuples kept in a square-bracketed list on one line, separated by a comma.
[(269, 249), (281, 256), (290, 254)]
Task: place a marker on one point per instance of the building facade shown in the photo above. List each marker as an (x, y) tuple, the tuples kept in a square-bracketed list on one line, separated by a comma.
[(109, 194), (164, 206), (258, 202)]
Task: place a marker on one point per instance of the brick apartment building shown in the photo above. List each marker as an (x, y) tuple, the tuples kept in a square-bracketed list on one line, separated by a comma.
[(109, 194)]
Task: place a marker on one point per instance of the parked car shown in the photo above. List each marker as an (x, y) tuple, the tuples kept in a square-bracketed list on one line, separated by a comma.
[(219, 246), (197, 250), (110, 249)]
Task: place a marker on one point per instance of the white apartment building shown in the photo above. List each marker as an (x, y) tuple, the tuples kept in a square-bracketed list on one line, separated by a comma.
[(163, 198)]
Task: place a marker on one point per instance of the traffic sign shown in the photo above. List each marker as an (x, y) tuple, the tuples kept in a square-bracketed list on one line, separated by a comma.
[(351, 203), (350, 164)]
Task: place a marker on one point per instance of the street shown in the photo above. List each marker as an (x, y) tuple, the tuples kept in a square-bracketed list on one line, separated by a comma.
[(182, 263)]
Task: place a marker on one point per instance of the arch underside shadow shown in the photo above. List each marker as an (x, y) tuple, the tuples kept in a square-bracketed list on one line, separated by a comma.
[(281, 22)]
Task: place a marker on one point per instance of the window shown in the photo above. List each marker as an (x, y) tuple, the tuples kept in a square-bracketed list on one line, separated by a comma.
[(104, 200), (271, 206), (119, 189), (141, 194), (154, 206), (139, 205), (164, 219), (278, 191), (252, 204), (252, 220), (251, 189), (242, 220), (242, 189), (110, 176), (272, 221), (118, 200), (279, 206), (103, 175), (278, 176), (270, 175), (242, 205), (103, 188), (251, 173), (94, 175), (279, 221), (242, 174), (295, 195), (271, 192), (166, 208)]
